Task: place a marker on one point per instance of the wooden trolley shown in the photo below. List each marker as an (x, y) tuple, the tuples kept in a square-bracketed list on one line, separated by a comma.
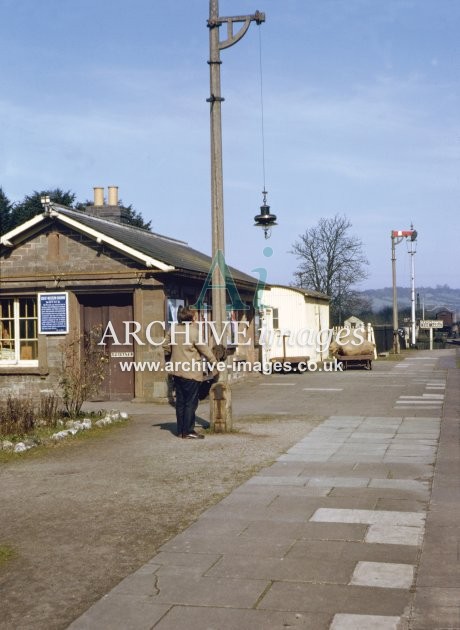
[(359, 360)]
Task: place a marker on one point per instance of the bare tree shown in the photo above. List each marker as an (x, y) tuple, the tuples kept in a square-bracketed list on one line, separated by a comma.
[(331, 261)]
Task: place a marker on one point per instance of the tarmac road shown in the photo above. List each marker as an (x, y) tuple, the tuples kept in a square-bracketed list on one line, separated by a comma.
[(276, 552)]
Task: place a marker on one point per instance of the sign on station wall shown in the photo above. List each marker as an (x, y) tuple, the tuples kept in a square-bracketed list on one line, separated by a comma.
[(53, 313)]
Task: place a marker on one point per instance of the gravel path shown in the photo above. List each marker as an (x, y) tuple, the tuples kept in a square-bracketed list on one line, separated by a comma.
[(83, 515)]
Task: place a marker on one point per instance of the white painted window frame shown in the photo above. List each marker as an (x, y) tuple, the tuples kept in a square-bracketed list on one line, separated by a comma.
[(17, 361)]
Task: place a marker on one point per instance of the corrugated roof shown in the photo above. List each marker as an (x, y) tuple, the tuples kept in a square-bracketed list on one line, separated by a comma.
[(168, 250)]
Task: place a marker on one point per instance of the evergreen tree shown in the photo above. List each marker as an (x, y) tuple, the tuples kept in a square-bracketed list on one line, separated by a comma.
[(5, 212), (133, 217)]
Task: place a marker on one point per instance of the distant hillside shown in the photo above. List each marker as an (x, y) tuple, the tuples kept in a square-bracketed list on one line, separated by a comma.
[(432, 299)]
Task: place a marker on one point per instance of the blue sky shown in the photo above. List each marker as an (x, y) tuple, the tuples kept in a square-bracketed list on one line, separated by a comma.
[(361, 106)]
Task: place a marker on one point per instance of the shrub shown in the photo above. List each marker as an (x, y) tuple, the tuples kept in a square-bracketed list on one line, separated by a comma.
[(17, 416), (49, 410), (83, 369), (20, 416)]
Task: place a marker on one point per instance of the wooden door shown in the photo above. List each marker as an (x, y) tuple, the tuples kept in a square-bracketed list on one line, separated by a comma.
[(97, 311)]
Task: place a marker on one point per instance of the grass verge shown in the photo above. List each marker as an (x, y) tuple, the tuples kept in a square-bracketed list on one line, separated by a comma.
[(44, 441)]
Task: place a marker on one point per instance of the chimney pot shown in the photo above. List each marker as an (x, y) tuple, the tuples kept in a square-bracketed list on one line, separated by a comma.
[(113, 195), (98, 196)]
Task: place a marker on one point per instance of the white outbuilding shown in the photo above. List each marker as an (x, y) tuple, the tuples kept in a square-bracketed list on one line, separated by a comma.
[(294, 324)]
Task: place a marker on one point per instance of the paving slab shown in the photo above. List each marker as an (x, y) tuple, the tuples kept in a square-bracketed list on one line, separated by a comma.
[(380, 495), (299, 490), (402, 470), (383, 575), (395, 535), (179, 587), (333, 531), (331, 598), (328, 537), (319, 568), (365, 622), (352, 552), (199, 618), (409, 485), (200, 562), (112, 612), (371, 517), (307, 531), (216, 542), (400, 504), (341, 482)]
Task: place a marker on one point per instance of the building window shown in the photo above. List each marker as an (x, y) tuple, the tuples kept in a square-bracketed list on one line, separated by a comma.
[(276, 319), (18, 331), (173, 305)]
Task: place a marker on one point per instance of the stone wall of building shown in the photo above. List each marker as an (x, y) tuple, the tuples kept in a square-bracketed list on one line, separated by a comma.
[(52, 259)]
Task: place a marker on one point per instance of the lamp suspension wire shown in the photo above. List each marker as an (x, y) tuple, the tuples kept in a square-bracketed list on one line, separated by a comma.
[(262, 112)]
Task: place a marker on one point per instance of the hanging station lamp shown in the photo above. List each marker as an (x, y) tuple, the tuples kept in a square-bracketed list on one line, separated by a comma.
[(266, 220)]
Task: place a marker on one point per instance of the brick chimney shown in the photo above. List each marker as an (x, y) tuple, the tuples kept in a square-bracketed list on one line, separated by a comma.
[(111, 211)]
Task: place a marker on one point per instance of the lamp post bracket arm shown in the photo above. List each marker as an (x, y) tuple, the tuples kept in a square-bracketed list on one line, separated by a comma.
[(258, 17), (233, 38)]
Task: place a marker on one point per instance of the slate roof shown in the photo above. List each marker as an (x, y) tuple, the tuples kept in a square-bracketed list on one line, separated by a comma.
[(168, 250)]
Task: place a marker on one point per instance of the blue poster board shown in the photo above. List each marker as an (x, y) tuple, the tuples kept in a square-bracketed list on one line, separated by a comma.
[(53, 313)]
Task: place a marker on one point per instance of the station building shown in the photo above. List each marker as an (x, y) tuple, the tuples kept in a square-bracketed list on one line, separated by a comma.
[(70, 273)]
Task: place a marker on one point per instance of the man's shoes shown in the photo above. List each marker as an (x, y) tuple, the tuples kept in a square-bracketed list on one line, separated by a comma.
[(193, 435)]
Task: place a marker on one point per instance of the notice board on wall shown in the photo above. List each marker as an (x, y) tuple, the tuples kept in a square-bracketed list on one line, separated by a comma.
[(53, 313)]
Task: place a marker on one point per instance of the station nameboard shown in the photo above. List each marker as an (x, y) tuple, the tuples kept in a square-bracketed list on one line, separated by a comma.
[(53, 313), (431, 323)]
